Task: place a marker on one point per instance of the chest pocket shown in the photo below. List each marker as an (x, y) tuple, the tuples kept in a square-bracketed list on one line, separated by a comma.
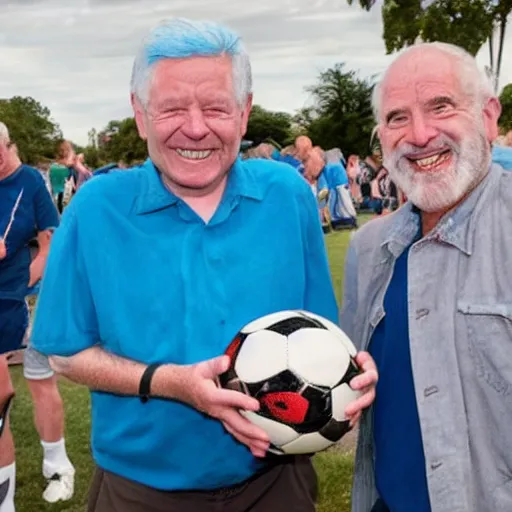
[(489, 332)]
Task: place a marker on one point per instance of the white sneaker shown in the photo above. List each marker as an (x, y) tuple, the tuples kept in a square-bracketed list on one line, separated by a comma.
[(61, 486)]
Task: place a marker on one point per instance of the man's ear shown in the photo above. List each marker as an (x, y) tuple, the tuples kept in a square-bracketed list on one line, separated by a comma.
[(245, 114), (139, 113), (491, 113)]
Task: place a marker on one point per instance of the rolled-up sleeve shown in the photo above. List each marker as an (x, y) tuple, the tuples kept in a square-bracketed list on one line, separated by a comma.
[(65, 320)]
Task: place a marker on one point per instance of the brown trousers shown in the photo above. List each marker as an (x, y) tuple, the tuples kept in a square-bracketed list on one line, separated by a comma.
[(290, 487)]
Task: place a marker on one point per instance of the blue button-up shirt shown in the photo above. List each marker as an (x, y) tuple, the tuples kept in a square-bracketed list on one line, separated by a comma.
[(135, 270)]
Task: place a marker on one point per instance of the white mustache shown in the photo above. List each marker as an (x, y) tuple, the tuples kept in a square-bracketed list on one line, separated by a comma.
[(440, 144)]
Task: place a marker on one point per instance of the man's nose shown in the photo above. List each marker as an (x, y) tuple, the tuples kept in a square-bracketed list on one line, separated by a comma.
[(421, 131), (195, 126)]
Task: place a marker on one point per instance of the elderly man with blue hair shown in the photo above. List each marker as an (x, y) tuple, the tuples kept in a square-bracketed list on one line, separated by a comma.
[(154, 271)]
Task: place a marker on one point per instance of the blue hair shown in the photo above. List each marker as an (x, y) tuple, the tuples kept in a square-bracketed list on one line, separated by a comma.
[(180, 38)]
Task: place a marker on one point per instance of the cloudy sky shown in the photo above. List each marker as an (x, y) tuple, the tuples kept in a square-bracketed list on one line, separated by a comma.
[(75, 56)]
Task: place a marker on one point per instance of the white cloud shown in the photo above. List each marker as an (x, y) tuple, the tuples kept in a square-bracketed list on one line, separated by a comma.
[(75, 56)]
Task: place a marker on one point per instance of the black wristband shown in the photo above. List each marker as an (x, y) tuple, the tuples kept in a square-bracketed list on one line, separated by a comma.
[(145, 382)]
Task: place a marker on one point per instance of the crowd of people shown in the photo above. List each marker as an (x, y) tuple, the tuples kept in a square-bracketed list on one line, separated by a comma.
[(346, 187), (343, 186), (150, 273)]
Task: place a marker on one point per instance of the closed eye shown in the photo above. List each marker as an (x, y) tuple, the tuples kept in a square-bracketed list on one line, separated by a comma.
[(216, 109), (396, 118), (441, 105), (442, 108)]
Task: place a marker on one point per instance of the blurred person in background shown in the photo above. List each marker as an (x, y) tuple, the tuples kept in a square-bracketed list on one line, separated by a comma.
[(303, 146), (27, 212), (60, 172)]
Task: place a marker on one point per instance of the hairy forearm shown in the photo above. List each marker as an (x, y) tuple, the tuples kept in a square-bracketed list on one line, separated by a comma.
[(100, 370)]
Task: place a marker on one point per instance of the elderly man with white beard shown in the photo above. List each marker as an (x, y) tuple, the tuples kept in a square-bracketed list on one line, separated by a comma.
[(428, 292)]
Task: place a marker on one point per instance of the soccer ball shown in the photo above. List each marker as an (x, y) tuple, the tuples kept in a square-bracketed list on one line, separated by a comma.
[(298, 365)]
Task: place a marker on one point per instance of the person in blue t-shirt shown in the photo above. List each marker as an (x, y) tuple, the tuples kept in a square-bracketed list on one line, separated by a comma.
[(341, 211), (167, 263), (27, 212)]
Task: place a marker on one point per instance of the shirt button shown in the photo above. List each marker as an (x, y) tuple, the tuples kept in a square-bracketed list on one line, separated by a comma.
[(420, 313)]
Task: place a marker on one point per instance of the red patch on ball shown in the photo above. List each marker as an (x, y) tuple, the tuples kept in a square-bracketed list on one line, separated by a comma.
[(287, 407)]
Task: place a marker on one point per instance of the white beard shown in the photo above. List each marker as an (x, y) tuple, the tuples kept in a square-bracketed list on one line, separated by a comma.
[(437, 191)]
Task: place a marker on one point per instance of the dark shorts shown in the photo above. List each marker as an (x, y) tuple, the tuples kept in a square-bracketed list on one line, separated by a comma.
[(13, 324), (291, 486)]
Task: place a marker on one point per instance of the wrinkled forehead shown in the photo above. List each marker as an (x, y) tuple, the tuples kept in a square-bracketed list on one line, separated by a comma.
[(419, 77), (176, 76)]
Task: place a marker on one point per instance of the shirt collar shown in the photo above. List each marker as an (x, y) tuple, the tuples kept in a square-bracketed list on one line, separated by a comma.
[(156, 196), (243, 182), (455, 228), (404, 231)]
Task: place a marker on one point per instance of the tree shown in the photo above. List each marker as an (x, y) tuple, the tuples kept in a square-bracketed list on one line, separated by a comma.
[(506, 104), (264, 125), (92, 135), (342, 114), (465, 23), (120, 141), (31, 128)]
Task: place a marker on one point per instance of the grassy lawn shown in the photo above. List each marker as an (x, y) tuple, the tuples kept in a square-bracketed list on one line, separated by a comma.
[(334, 467)]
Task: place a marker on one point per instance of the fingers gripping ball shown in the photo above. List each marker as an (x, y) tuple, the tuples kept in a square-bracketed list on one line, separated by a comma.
[(298, 366)]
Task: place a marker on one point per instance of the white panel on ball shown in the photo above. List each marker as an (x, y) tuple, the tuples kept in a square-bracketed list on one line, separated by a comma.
[(307, 443), (263, 355), (336, 330), (341, 396), (317, 356), (267, 321), (279, 434)]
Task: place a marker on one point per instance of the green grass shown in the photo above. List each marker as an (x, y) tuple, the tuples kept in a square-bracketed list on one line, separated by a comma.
[(334, 467)]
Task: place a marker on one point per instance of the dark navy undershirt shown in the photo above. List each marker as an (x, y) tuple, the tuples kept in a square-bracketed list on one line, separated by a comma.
[(400, 460)]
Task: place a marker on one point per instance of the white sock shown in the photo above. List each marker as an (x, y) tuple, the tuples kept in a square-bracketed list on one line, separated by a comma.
[(55, 459), (7, 474)]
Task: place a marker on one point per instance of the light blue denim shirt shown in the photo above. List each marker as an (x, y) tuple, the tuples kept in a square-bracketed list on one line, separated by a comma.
[(460, 329)]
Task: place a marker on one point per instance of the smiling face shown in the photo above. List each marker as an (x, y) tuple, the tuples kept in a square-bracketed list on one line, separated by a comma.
[(193, 123), (435, 136)]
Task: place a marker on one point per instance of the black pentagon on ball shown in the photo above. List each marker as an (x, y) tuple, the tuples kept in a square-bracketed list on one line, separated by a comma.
[(352, 371), (320, 409), (295, 323), (334, 430), (285, 380)]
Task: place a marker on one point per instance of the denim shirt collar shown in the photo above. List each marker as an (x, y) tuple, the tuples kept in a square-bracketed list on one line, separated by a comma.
[(456, 228)]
